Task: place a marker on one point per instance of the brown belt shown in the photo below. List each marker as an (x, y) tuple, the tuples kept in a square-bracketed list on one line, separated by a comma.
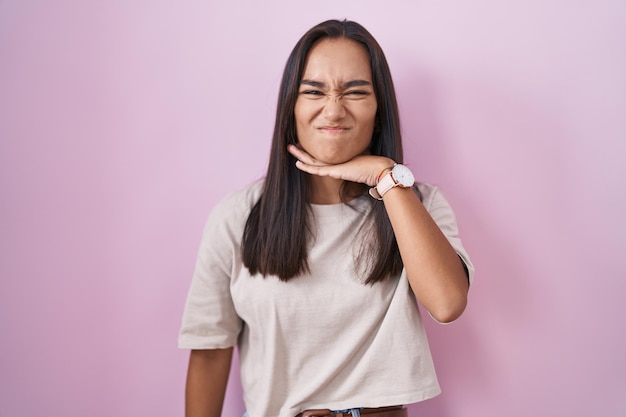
[(395, 411)]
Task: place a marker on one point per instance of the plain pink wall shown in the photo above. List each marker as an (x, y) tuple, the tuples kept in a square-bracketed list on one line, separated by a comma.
[(123, 122)]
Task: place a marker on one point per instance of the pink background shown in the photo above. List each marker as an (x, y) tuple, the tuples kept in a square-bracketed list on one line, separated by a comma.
[(123, 122)]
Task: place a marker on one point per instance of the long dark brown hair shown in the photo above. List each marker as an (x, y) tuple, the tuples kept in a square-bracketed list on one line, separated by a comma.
[(277, 230)]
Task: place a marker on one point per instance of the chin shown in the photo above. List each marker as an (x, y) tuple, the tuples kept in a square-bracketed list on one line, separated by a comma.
[(334, 157), (333, 160)]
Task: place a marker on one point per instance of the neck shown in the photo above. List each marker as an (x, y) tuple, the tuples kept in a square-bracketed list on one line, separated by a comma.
[(324, 190), (327, 190)]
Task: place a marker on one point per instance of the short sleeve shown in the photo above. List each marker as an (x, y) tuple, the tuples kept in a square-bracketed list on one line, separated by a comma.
[(442, 214), (210, 320)]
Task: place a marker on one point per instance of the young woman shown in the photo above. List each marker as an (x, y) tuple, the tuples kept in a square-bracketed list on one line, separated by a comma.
[(314, 272)]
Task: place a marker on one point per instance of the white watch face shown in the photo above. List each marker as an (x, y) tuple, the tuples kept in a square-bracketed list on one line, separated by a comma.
[(403, 175)]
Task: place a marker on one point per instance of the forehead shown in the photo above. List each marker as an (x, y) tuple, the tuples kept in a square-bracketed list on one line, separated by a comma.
[(337, 58)]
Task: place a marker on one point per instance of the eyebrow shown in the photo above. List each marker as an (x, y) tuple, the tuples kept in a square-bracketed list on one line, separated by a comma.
[(348, 84)]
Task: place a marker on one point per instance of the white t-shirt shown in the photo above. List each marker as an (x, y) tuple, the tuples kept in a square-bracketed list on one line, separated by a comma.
[(321, 340)]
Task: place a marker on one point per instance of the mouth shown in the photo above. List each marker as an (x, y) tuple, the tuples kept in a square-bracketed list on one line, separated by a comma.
[(333, 130)]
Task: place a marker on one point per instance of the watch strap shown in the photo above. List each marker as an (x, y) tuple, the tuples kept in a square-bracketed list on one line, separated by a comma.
[(387, 180), (386, 183)]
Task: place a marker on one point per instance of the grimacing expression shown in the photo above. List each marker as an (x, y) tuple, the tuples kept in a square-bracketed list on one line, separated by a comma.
[(336, 105)]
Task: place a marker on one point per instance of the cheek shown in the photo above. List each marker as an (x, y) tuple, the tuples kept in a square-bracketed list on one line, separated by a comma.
[(366, 114), (304, 113), (368, 118), (373, 111), (300, 114)]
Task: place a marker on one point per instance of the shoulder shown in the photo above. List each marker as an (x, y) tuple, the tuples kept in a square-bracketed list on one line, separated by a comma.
[(430, 194), (233, 210), (242, 199), (436, 204)]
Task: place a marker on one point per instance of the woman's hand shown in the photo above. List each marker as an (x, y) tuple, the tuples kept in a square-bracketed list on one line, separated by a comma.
[(362, 168)]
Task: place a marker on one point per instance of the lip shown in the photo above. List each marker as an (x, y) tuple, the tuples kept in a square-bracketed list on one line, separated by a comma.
[(333, 129)]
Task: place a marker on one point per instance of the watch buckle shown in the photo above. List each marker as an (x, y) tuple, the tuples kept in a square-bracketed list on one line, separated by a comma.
[(374, 194)]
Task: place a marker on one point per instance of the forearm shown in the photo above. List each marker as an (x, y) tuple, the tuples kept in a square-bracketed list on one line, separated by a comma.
[(433, 268), (207, 377)]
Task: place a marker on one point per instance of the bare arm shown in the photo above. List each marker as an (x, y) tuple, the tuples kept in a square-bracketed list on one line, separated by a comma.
[(207, 377), (434, 270)]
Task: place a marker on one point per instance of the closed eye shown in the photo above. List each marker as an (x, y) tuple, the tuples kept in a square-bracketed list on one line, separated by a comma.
[(356, 94), (312, 92)]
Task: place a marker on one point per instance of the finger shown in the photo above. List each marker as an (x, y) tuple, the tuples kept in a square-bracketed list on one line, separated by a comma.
[(303, 155), (310, 169), (333, 171), (297, 152)]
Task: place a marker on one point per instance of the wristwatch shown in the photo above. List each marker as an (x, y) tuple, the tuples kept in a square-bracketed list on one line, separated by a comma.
[(398, 176)]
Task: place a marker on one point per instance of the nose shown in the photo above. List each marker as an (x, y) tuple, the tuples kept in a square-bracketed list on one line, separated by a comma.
[(334, 108)]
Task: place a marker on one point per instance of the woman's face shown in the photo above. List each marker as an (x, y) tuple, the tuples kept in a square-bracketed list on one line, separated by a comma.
[(336, 105)]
